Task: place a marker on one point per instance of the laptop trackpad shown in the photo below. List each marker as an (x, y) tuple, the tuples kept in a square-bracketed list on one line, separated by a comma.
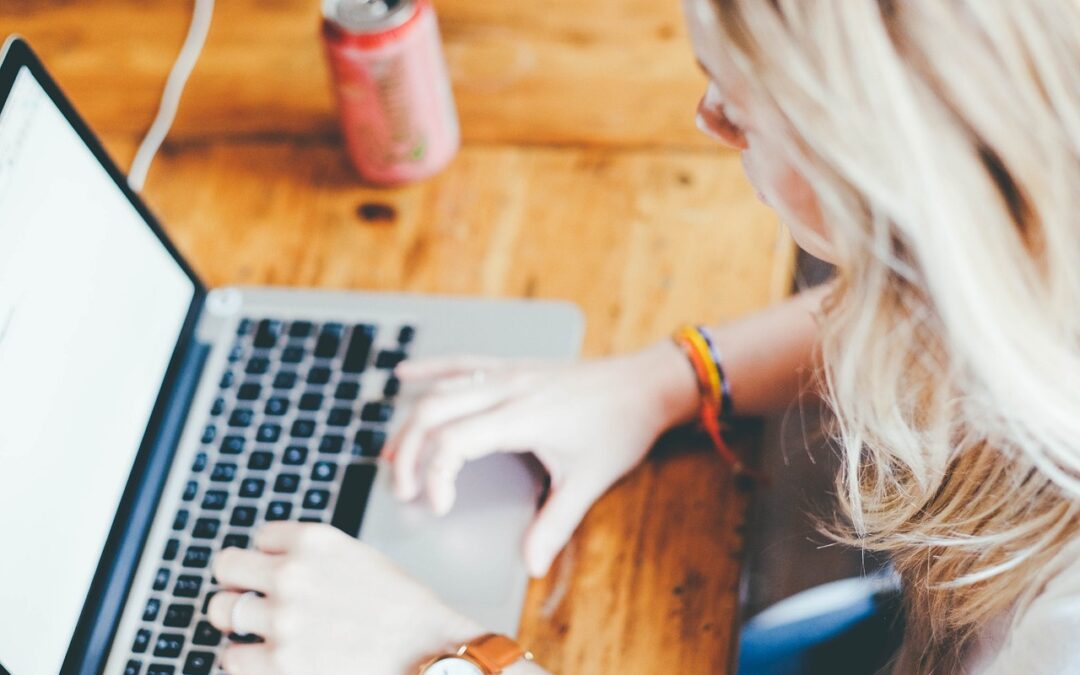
[(472, 556)]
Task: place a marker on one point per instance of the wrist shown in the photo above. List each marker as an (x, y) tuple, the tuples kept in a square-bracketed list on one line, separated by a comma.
[(674, 386)]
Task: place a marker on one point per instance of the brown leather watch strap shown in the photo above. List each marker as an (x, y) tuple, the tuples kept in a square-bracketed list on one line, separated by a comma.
[(495, 652)]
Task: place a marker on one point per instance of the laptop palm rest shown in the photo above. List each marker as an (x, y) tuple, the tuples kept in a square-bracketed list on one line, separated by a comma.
[(471, 557)]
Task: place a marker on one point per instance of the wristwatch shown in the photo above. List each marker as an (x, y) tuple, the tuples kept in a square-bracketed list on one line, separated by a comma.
[(488, 654)]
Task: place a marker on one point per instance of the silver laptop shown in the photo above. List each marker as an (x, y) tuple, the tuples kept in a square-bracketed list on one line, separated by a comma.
[(147, 421)]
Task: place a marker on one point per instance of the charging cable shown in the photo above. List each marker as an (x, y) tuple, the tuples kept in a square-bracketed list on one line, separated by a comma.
[(170, 98)]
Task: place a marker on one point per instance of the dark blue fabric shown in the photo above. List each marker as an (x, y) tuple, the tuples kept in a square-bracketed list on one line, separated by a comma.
[(856, 640)]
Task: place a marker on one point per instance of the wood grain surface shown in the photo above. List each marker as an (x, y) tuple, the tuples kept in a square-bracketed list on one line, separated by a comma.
[(582, 178)]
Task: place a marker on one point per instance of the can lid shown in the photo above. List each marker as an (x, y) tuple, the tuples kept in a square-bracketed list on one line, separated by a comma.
[(367, 16)]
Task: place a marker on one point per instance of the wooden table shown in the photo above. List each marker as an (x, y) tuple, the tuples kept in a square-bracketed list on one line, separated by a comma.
[(582, 177)]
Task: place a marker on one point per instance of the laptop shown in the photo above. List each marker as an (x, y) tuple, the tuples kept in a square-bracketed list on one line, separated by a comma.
[(147, 421)]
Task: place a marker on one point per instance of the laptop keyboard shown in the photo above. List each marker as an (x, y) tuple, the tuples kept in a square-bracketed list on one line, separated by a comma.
[(293, 434)]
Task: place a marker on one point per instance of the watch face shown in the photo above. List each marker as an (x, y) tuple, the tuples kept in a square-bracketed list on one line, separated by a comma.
[(452, 665)]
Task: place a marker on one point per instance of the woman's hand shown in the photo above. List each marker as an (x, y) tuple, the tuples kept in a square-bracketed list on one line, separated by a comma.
[(330, 606), (588, 423)]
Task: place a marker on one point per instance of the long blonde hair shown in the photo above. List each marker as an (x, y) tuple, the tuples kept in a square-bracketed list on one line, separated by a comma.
[(942, 140)]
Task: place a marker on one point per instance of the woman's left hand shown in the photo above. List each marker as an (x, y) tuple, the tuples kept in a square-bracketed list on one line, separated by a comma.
[(330, 605)]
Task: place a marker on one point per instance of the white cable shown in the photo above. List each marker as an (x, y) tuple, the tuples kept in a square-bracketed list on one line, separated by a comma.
[(170, 98)]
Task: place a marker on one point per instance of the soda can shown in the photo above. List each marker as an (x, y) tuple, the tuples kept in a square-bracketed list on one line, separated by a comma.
[(393, 91)]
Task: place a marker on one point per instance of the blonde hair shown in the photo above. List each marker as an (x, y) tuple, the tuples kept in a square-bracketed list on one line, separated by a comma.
[(942, 141)]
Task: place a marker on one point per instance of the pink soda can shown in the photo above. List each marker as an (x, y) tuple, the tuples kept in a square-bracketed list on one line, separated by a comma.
[(392, 87)]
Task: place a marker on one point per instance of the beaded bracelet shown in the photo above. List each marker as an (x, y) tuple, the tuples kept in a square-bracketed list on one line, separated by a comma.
[(713, 388)]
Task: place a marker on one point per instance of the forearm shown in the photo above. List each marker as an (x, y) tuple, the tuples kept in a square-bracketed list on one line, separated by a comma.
[(766, 357)]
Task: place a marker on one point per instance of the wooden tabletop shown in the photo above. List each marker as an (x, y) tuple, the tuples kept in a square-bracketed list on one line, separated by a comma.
[(582, 177)]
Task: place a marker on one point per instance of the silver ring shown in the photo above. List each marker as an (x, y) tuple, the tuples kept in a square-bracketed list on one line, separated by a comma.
[(236, 610)]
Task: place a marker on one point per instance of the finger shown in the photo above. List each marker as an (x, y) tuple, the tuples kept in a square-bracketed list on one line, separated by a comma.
[(403, 451), (243, 569), (447, 366), (245, 659), (230, 614), (554, 525), (449, 447), (280, 536)]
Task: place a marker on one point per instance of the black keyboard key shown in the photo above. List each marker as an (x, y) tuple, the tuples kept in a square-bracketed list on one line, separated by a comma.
[(339, 417), (223, 472), (359, 349), (331, 444), (376, 412), (235, 541), (294, 455), (249, 391), (198, 663), (406, 335), (243, 327), (326, 347), (227, 379), (181, 520), (191, 490), (200, 463), (160, 669), (370, 442), (179, 616), (303, 429), (268, 433), (142, 641), (241, 417), (209, 433), (153, 606), (323, 471), (187, 586), (243, 516), (393, 386), (310, 401), (347, 391), (236, 353), (169, 645), (260, 460), (300, 329), (171, 549), (389, 358), (311, 519), (316, 499), (215, 500), (252, 488), (318, 375), (277, 406), (257, 365), (197, 557), (267, 334), (292, 354), (133, 667), (286, 379), (206, 528), (161, 579), (353, 498), (206, 635), (232, 445), (287, 483), (206, 601), (218, 407), (278, 511)]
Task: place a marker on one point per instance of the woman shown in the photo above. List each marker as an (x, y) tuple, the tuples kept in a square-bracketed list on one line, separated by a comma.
[(930, 149)]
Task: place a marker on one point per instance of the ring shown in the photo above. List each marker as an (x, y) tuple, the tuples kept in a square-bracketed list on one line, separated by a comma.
[(478, 376), (236, 610)]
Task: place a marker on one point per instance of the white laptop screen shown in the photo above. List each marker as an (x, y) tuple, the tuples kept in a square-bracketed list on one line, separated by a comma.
[(91, 307)]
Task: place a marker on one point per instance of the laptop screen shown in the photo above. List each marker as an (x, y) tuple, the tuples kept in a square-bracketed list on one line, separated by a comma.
[(91, 307)]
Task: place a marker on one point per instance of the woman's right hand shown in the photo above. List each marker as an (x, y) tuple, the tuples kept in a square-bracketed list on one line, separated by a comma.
[(588, 423)]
